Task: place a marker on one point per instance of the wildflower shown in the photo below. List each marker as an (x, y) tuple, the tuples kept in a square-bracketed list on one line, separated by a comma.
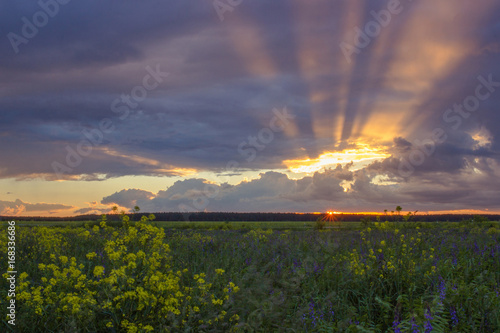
[(98, 271), (454, 317), (219, 271), (217, 301), (428, 325), (395, 323), (382, 243), (414, 326), (442, 290), (91, 255), (63, 259)]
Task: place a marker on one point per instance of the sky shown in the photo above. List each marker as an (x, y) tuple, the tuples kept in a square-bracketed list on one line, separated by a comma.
[(249, 106)]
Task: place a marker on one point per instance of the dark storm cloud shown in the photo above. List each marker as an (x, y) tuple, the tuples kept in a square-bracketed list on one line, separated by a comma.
[(219, 92)]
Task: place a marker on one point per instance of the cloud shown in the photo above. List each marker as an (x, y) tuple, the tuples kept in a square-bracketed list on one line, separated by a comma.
[(18, 207), (276, 192), (212, 100), (127, 198)]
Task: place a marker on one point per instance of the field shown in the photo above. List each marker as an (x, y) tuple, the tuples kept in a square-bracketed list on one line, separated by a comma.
[(244, 277)]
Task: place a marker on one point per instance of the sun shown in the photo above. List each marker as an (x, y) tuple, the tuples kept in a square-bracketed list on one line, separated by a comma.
[(361, 156)]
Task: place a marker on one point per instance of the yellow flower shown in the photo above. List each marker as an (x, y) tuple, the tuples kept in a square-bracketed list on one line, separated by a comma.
[(219, 271), (217, 301), (91, 255), (98, 271), (382, 243)]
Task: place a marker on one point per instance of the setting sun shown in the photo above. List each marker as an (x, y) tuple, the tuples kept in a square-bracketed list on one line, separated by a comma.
[(360, 156)]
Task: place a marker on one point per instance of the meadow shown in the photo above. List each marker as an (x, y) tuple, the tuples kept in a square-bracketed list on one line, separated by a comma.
[(148, 276)]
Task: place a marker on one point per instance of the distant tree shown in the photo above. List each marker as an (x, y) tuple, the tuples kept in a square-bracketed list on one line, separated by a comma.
[(114, 209), (136, 209), (398, 212)]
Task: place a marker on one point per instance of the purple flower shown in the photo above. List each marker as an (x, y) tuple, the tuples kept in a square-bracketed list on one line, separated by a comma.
[(428, 324), (395, 323), (318, 268), (454, 317), (442, 289), (414, 326)]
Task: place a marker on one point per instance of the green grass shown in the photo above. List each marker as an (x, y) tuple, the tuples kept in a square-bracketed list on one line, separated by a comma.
[(278, 225)]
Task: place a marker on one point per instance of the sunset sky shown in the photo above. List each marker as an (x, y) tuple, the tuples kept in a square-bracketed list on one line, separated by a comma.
[(249, 105)]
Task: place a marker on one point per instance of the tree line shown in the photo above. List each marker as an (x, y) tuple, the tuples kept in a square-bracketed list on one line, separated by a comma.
[(254, 217)]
